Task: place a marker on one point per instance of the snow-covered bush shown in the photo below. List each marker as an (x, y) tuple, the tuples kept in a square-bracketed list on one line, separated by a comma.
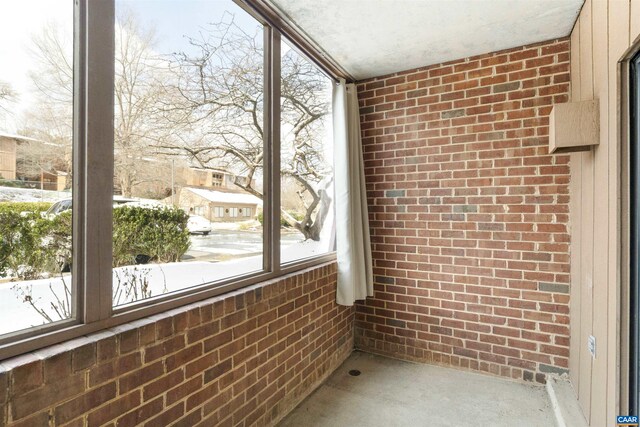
[(31, 246)]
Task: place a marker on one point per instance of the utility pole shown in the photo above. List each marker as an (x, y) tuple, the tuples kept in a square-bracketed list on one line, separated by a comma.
[(173, 190)]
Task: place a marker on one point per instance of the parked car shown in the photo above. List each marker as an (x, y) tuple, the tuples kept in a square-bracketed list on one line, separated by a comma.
[(198, 225), (66, 204), (58, 207)]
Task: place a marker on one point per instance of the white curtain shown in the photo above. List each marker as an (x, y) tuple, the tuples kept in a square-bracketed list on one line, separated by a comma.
[(353, 244)]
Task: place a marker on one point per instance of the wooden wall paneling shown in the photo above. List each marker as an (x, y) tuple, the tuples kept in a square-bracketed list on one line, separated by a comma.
[(586, 259), (575, 223), (600, 37), (586, 280), (634, 19)]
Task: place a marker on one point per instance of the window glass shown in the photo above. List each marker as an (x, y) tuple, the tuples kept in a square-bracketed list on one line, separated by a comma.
[(307, 214), (36, 137), (188, 132)]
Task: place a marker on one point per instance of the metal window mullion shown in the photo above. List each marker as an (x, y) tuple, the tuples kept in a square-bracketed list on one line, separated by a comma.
[(271, 203), (634, 270), (79, 83), (93, 161)]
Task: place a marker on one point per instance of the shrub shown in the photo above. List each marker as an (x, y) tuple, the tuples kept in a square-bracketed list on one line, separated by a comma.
[(156, 233), (297, 216), (18, 207), (13, 184), (12, 231), (34, 247)]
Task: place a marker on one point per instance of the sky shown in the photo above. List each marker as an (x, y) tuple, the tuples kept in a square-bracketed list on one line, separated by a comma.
[(173, 19), (21, 20)]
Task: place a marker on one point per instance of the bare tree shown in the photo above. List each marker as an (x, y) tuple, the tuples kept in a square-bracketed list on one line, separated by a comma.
[(135, 94), (305, 111), (218, 98), (50, 118), (7, 97)]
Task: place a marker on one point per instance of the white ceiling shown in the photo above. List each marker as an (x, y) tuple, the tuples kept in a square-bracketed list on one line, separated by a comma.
[(376, 37)]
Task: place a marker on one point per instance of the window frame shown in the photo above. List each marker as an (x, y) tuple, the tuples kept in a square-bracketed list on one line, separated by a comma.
[(629, 237), (93, 168)]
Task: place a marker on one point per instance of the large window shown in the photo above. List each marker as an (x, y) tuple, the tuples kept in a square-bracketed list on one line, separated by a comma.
[(189, 96), (306, 160), (36, 135), (196, 144)]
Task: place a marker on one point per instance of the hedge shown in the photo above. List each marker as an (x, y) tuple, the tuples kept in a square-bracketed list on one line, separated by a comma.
[(35, 247), (32, 245), (30, 207), (156, 234)]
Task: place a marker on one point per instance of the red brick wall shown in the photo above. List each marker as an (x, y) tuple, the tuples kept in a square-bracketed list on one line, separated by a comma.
[(469, 214), (243, 358)]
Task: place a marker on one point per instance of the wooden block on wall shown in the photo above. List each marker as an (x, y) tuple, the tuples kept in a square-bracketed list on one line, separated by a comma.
[(574, 126)]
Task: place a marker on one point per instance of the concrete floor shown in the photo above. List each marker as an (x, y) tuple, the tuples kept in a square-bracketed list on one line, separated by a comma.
[(395, 393)]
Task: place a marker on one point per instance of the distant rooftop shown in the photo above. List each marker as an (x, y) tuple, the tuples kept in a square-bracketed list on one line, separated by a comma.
[(225, 197), (18, 137)]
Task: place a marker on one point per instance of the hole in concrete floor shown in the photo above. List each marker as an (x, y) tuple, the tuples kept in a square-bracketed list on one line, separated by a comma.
[(354, 372)]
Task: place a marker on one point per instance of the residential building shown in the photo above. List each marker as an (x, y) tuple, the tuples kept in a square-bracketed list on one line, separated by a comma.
[(7, 157), (218, 206)]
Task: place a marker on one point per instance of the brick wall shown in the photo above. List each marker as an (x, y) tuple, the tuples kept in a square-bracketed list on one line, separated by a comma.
[(242, 358), (469, 214), (469, 219)]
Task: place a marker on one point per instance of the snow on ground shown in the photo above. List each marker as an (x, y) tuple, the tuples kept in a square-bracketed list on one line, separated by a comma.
[(16, 314), (303, 249), (239, 225), (9, 194)]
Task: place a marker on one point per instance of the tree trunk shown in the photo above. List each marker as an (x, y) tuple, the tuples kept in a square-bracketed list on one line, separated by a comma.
[(126, 186), (323, 210), (311, 227)]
